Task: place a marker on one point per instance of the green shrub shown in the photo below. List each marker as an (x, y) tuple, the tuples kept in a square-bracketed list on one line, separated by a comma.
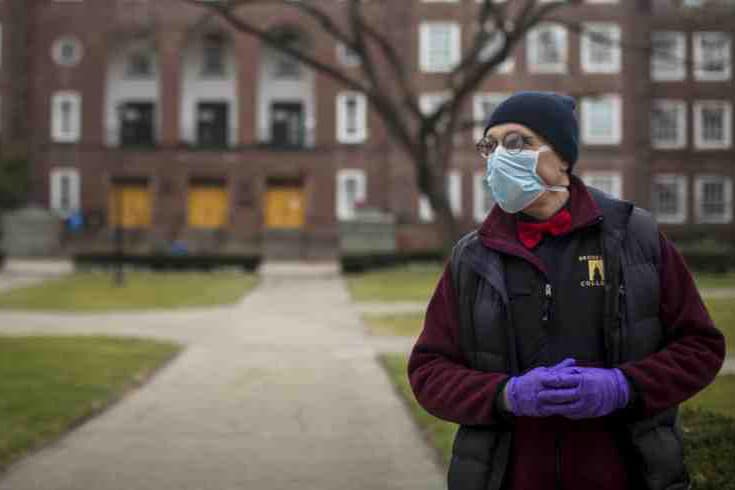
[(709, 443), (708, 254)]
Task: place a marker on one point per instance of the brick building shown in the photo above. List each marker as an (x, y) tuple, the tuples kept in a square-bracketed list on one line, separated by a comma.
[(141, 113)]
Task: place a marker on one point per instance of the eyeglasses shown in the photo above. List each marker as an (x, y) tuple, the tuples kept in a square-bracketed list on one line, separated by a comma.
[(514, 142)]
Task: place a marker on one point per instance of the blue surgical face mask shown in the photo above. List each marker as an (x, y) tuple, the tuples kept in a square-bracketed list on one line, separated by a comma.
[(512, 178)]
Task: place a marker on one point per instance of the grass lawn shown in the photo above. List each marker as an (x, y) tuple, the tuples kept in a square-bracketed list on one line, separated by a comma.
[(50, 384), (408, 324), (416, 282), (722, 312), (413, 282), (142, 290), (708, 422)]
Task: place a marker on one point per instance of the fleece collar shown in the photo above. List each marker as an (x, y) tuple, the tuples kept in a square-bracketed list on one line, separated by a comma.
[(498, 231)]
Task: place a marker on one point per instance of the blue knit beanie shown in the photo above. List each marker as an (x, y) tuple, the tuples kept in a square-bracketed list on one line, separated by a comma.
[(546, 113)]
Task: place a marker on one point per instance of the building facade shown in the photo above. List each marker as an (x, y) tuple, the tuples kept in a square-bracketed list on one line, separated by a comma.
[(147, 116)]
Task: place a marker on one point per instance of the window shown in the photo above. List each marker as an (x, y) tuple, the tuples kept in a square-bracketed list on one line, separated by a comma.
[(600, 47), (66, 110), (136, 124), (346, 56), (711, 55), (430, 102), (351, 192), (440, 46), (64, 191), (547, 49), (669, 197), (610, 182), (288, 129), (712, 124), (713, 198), (668, 56), (668, 124), (454, 195), (139, 64), (493, 45), (483, 199), (213, 56), (601, 120), (483, 107), (426, 212), (67, 51), (351, 117), (454, 191), (285, 66), (212, 124)]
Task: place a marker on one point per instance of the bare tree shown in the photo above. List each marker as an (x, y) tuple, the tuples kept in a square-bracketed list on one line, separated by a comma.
[(386, 77)]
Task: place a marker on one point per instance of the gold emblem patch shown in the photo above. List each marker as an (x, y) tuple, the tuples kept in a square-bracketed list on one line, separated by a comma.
[(595, 271)]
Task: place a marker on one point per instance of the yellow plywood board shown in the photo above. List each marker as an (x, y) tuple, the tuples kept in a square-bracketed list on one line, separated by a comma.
[(130, 206), (284, 208), (207, 207)]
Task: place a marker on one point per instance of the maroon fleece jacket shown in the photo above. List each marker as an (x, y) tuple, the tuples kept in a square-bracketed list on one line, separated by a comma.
[(447, 388)]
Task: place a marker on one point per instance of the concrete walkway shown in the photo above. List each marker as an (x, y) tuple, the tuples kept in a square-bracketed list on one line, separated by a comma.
[(279, 392), (17, 273)]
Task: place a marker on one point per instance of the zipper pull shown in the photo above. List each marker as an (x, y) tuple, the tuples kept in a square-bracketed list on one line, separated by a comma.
[(547, 304), (621, 304)]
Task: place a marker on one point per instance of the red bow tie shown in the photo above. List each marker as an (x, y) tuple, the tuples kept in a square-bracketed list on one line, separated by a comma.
[(531, 233)]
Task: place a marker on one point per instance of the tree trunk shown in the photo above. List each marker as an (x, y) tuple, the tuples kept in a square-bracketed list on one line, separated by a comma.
[(432, 181)]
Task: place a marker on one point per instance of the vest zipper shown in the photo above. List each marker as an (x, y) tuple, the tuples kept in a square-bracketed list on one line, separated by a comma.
[(547, 303), (619, 325)]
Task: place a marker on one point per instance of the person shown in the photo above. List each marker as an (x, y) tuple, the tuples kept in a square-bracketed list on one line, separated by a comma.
[(565, 331)]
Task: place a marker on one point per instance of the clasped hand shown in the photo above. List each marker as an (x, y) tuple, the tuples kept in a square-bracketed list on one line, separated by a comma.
[(567, 390)]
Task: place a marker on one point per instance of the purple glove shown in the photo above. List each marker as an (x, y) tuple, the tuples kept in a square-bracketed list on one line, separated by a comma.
[(523, 391), (600, 392)]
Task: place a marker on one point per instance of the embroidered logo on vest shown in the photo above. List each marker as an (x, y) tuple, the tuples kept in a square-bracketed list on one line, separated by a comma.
[(595, 271)]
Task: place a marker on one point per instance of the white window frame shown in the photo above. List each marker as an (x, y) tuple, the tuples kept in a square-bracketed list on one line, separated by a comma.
[(346, 211), (55, 197), (532, 49), (699, 141), (681, 182), (57, 50), (425, 211), (679, 71), (616, 137), (429, 102), (615, 178), (680, 106), (361, 134), (479, 115), (491, 47), (426, 63), (454, 192), (612, 33), (698, 54), (699, 182), (58, 134), (346, 57), (482, 198)]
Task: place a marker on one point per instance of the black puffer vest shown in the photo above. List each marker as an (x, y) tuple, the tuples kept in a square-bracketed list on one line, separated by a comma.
[(652, 447)]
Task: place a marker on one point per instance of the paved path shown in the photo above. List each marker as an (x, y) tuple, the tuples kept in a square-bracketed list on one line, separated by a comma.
[(17, 273), (279, 392)]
